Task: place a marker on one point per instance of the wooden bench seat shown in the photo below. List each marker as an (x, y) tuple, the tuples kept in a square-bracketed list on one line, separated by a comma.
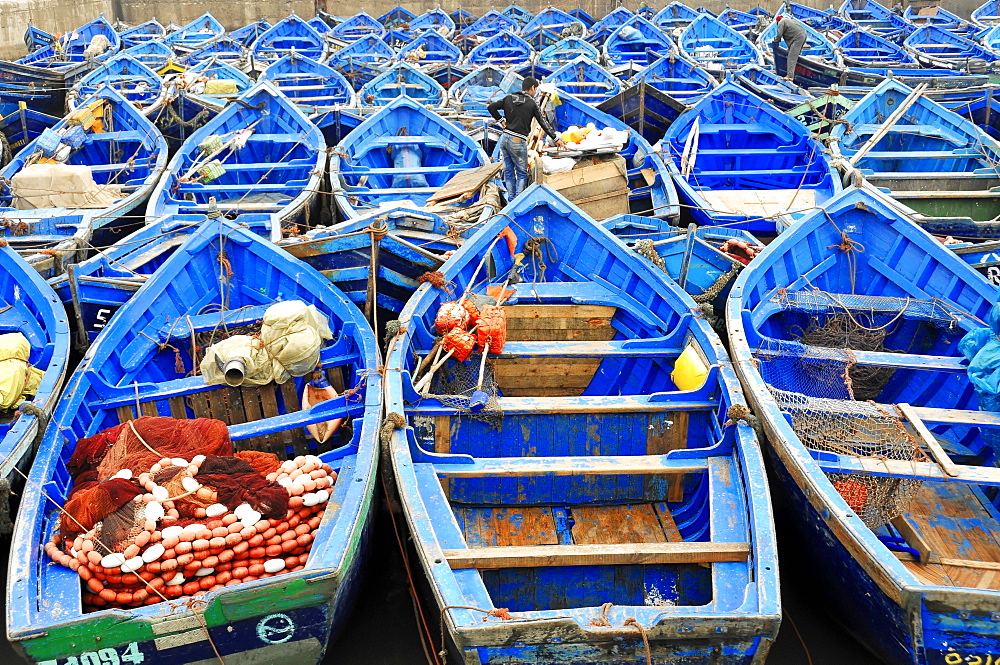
[(486, 558)]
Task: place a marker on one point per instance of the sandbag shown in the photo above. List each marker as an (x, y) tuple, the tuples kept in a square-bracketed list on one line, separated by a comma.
[(221, 87), (60, 186), (18, 379)]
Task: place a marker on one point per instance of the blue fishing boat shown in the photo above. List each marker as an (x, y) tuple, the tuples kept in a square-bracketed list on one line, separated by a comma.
[(358, 26), (36, 38), (133, 80), (436, 20), (144, 32), (927, 157), (940, 17), (582, 16), (717, 47), (112, 156), (820, 19), (196, 34), (196, 96), (678, 77), (259, 155), (397, 38), (817, 46), (462, 18), (651, 191), (291, 34), (319, 24), (225, 50), (767, 85), (23, 126), (987, 13), (938, 47), (518, 14), (403, 152), (430, 47), (778, 171), (448, 73), (875, 19), (984, 112), (396, 17), (313, 87), (598, 33), (549, 26), (861, 48), (586, 80), (534, 503), (94, 289), (249, 33), (566, 49), (312, 599), (402, 80), (741, 22), (504, 48), (674, 15), (485, 85), (154, 54), (645, 109), (636, 40), (488, 25), (41, 79), (852, 362), (362, 60)]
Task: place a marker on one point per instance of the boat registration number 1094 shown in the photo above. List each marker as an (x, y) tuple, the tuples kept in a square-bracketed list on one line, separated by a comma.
[(126, 655)]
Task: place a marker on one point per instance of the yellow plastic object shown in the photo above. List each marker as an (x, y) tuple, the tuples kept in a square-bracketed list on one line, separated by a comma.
[(221, 87), (18, 379), (690, 370)]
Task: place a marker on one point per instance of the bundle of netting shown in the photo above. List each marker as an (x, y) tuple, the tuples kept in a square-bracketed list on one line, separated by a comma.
[(163, 508)]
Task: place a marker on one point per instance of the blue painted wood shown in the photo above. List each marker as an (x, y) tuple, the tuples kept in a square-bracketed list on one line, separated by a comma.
[(583, 17), (315, 600), (599, 32), (717, 47), (196, 34), (502, 48), (462, 18), (488, 25), (436, 20), (876, 19), (987, 13), (816, 46), (486, 84), (678, 77), (566, 49), (636, 40), (291, 34), (188, 109), (223, 50), (154, 54), (776, 153), (278, 170), (396, 17), (36, 38), (250, 32), (518, 14), (902, 616), (734, 605), (23, 126), (942, 18), (431, 47), (319, 24), (936, 46), (130, 153), (738, 20), (865, 49), (315, 88), (144, 32), (674, 15), (404, 150), (358, 26), (402, 80), (766, 84), (548, 27), (131, 78), (820, 19), (586, 80), (362, 60)]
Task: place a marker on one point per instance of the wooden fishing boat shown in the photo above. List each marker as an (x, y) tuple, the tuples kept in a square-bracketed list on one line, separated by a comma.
[(362, 60), (94, 289), (717, 47), (485, 85), (36, 38), (766, 84), (23, 126), (650, 190), (925, 156), (987, 13), (938, 47), (115, 157), (636, 40), (549, 26), (488, 25), (462, 18), (875, 19), (313, 87), (866, 49), (678, 77), (674, 15), (290, 34), (358, 26), (261, 155), (504, 48), (645, 109), (396, 17), (984, 112), (567, 49), (883, 460), (249, 33), (149, 31), (41, 79), (518, 14), (196, 34), (741, 22), (135, 81), (194, 97), (817, 46), (599, 32), (582, 16), (448, 73), (154, 54), (319, 24), (534, 504), (294, 612), (402, 80), (397, 38), (403, 152), (940, 17), (820, 19), (586, 80), (225, 49), (430, 47), (778, 171), (436, 20)]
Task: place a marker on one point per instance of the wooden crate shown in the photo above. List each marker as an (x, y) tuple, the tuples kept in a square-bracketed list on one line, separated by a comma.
[(599, 188)]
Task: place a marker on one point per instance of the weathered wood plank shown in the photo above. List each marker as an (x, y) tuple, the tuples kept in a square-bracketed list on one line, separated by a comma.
[(510, 526), (667, 523), (595, 465), (177, 408), (634, 523), (125, 413), (485, 558), (668, 432)]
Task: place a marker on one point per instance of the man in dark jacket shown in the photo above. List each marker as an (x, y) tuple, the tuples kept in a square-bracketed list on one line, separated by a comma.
[(518, 109), (794, 34)]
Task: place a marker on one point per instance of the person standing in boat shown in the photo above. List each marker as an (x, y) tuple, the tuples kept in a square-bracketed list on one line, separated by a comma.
[(794, 34), (519, 109)]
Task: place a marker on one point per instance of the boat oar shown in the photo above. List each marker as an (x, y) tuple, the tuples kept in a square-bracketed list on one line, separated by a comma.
[(479, 397)]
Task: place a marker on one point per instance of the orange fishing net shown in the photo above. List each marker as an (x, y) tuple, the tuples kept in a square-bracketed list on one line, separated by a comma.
[(492, 328), (451, 315), (461, 341)]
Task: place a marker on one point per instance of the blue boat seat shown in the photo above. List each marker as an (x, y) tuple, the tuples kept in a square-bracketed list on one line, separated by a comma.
[(480, 467), (641, 348), (391, 141), (134, 135)]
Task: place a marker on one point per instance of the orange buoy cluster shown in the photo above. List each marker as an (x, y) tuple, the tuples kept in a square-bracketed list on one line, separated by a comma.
[(740, 250), (188, 544)]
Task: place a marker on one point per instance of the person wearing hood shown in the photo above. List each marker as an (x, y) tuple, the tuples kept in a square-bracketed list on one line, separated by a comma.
[(519, 109), (794, 34)]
